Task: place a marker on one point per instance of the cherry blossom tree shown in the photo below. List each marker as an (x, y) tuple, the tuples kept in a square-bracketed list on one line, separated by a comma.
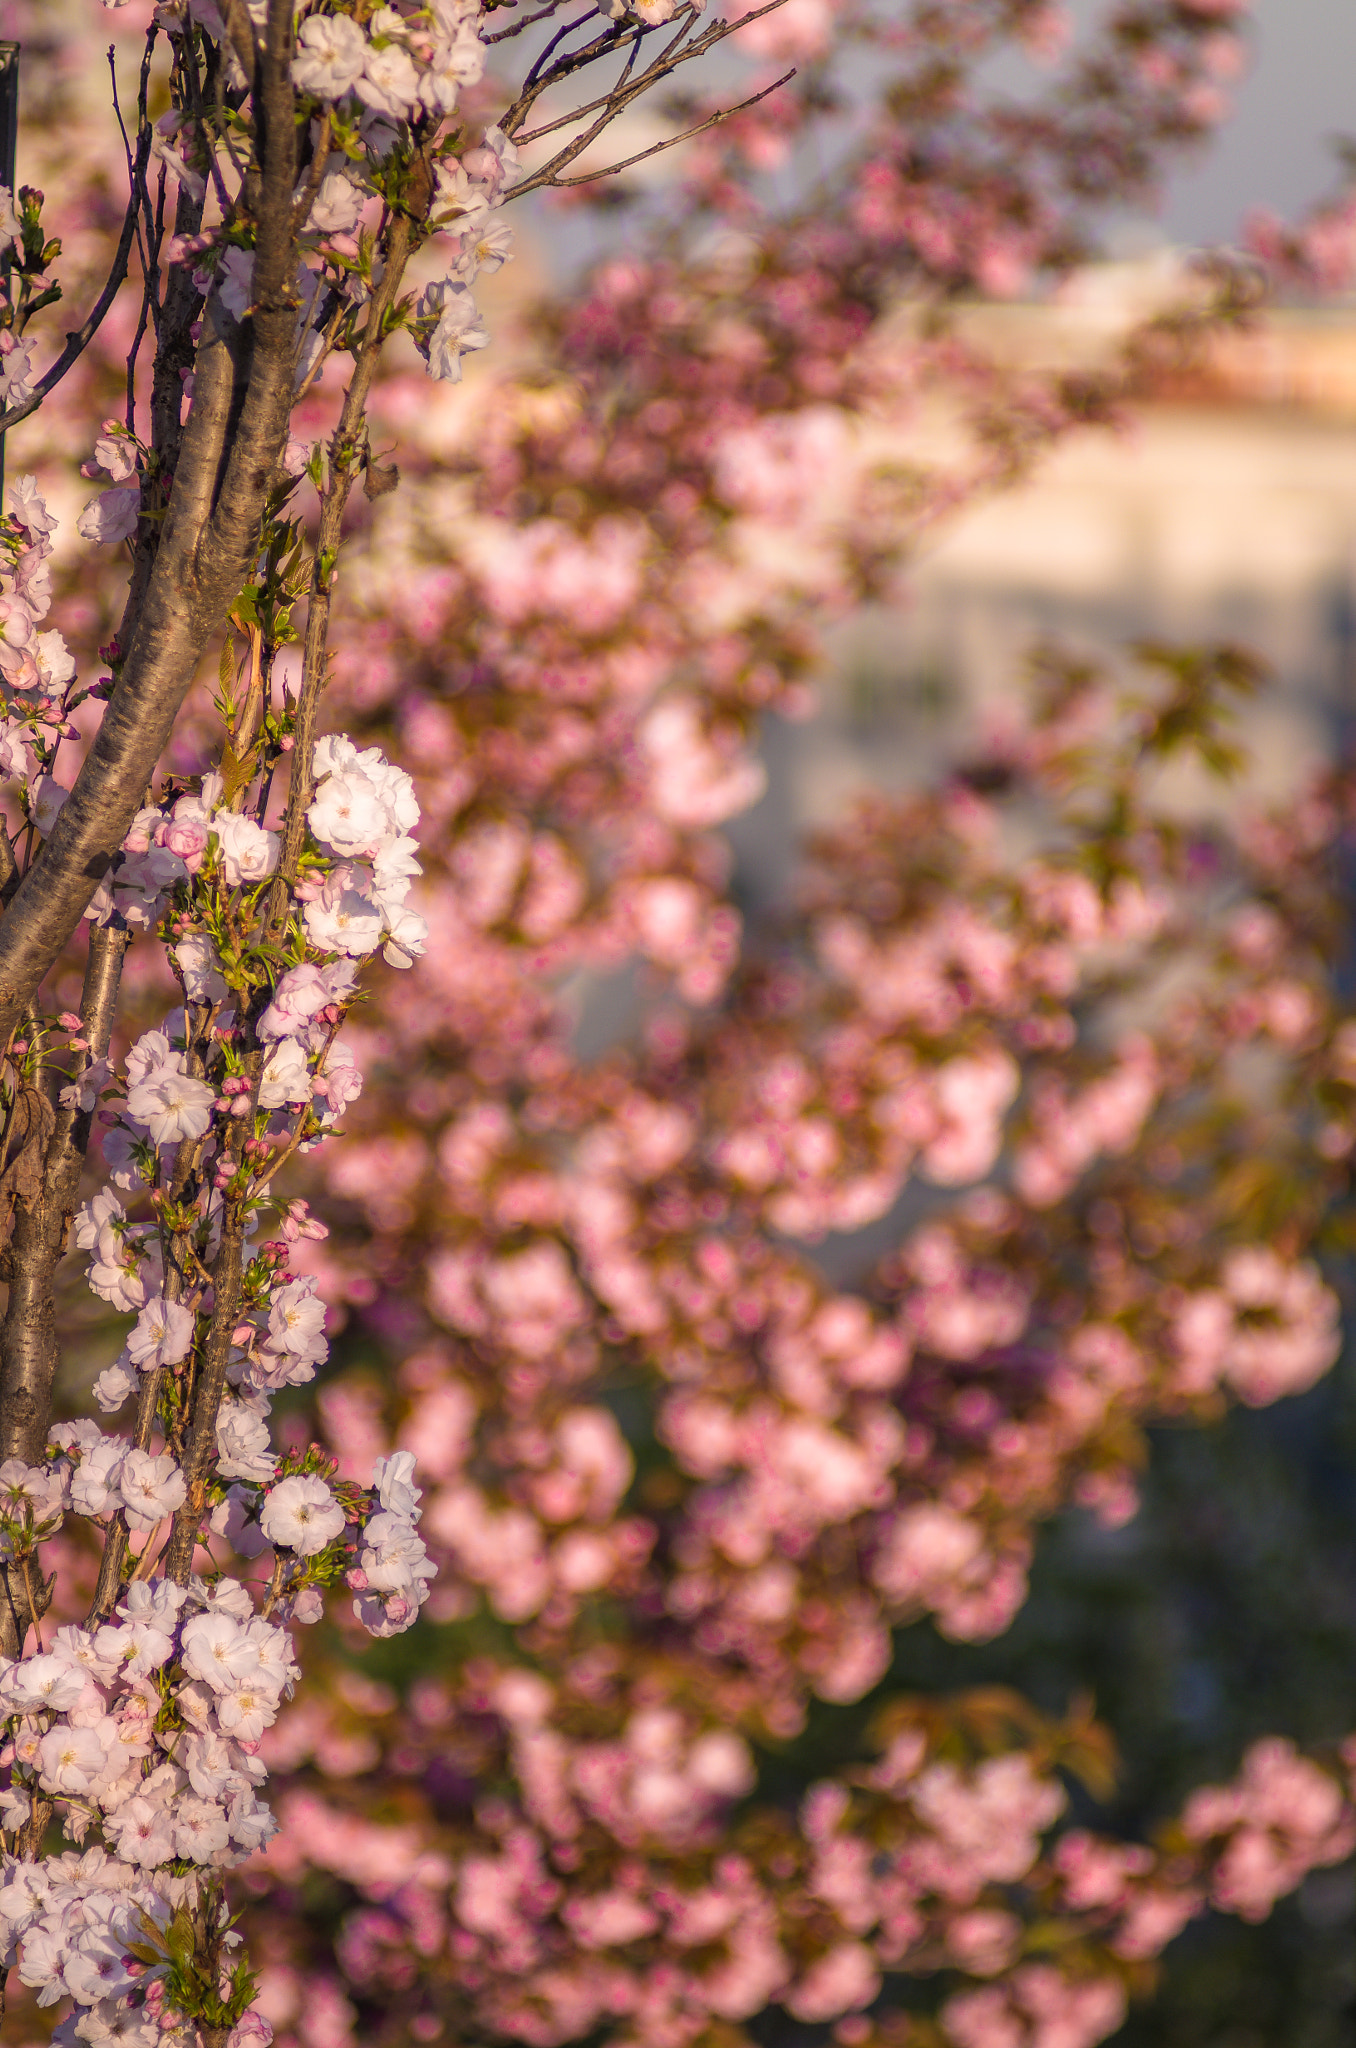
[(681, 1490), (308, 155)]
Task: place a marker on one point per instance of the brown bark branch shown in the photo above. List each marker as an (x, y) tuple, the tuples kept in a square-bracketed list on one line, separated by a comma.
[(231, 447)]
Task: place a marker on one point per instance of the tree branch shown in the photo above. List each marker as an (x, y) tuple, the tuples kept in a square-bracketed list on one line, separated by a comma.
[(622, 95), (78, 341), (656, 148), (231, 447)]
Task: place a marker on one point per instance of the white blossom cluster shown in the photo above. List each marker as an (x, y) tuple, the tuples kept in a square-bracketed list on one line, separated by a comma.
[(38, 689), (141, 1731), (146, 1730), (402, 65)]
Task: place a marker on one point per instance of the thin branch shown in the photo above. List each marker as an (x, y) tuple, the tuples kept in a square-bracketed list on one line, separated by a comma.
[(528, 21), (622, 97), (613, 39), (78, 342), (713, 121), (604, 99), (538, 65)]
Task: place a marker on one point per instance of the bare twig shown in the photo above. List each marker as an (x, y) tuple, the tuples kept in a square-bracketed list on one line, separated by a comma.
[(712, 121), (678, 51), (501, 35), (78, 341)]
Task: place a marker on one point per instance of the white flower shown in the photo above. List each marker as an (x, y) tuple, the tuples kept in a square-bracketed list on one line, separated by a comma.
[(243, 1443), (134, 1648), (15, 758), (339, 1082), (44, 1958), (70, 1759), (334, 753), (114, 1385), (46, 800), (458, 59), (330, 59), (342, 919), (163, 1334), (235, 281), (230, 1518), (348, 814), (393, 1478), (170, 1104), (200, 1830), (45, 1682), (406, 938), (337, 207), (486, 248), (389, 82), (89, 1084), (459, 328), (214, 1765), (81, 1435), (96, 1222), (286, 1077), (29, 506), (299, 995), (151, 1050), (296, 1321), (141, 1833), (112, 516), (246, 1712), (393, 1556), (248, 853), (15, 370), (276, 1662), (394, 868), (115, 1276), (38, 1492), (151, 1488), (56, 663), (200, 965), (95, 1973), (301, 1514), (251, 1823), (217, 1650), (94, 1483)]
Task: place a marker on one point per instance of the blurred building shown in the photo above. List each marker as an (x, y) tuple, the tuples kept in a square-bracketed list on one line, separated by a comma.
[(1227, 511)]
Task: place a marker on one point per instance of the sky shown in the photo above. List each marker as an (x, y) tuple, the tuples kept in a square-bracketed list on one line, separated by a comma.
[(1276, 151)]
